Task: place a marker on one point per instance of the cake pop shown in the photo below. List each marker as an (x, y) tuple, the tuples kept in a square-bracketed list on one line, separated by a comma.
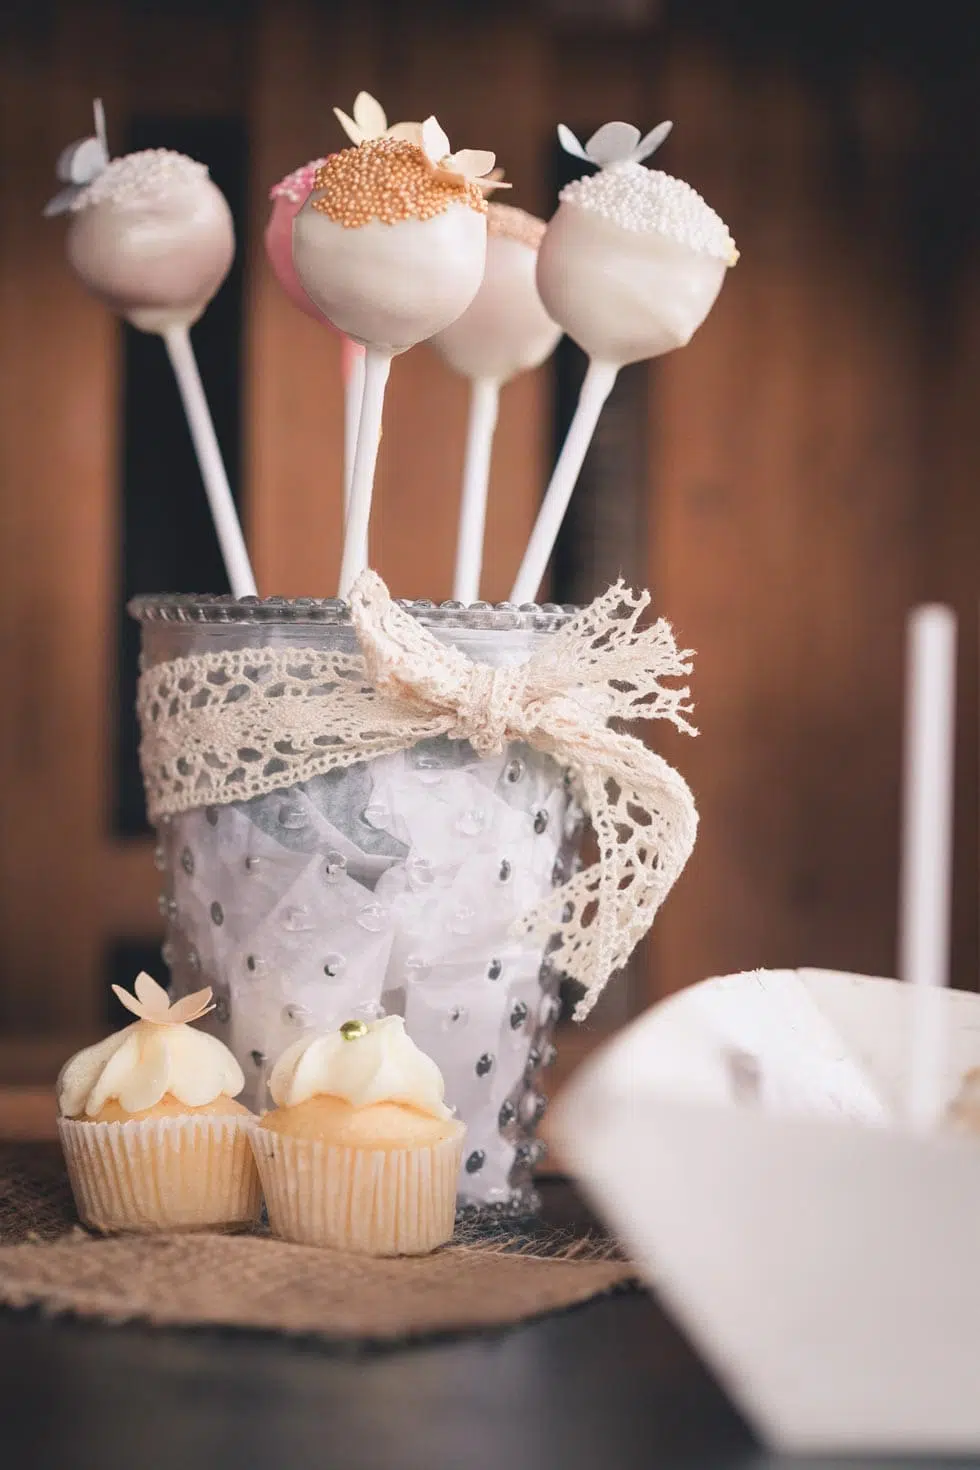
[(152, 237), (288, 197), (504, 331), (390, 246), (630, 266)]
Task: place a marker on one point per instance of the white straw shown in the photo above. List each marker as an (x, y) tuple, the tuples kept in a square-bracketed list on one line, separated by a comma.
[(596, 388), (353, 398), (377, 365), (484, 400), (223, 513), (927, 850)]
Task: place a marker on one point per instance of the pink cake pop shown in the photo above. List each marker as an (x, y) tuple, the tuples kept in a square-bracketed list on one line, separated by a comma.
[(152, 237), (288, 198)]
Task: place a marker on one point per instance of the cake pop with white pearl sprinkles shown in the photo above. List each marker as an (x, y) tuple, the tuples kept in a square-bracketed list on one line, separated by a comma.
[(390, 247), (630, 266), (152, 237)]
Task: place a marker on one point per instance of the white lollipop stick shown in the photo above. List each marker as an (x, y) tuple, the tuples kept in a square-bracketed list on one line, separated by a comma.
[(927, 849), (596, 388), (353, 398), (484, 400), (377, 365), (223, 513)]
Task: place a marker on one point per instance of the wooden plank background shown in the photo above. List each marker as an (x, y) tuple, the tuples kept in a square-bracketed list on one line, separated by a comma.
[(813, 456)]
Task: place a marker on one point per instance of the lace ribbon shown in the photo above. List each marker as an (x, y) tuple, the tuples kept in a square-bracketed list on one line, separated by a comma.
[(224, 727)]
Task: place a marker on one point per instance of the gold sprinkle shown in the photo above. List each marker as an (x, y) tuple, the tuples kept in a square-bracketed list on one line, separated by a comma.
[(515, 224), (353, 1030), (389, 180)]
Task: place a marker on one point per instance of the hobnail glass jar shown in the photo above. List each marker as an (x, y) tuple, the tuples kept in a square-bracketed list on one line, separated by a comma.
[(389, 887)]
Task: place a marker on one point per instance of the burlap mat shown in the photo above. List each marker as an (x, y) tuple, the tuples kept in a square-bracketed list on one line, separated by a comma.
[(254, 1281)]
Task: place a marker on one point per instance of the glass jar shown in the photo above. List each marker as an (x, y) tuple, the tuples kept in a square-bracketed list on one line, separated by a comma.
[(388, 887)]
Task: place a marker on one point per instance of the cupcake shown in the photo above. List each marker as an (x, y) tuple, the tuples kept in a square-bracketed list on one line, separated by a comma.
[(360, 1152), (151, 1132), (633, 260)]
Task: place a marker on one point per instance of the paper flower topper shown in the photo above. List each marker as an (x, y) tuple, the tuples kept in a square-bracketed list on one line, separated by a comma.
[(469, 165), (614, 144), (152, 1003), (80, 163), (369, 122)]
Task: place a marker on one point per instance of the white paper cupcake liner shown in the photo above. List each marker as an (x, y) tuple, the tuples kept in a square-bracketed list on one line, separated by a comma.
[(192, 1173), (380, 1202)]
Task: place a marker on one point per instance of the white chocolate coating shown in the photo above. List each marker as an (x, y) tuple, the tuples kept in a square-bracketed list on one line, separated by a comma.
[(142, 1063), (391, 285), (153, 239), (505, 330), (623, 294), (382, 1065)]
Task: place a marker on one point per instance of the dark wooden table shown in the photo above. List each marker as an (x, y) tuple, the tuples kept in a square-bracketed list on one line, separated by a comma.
[(609, 1386)]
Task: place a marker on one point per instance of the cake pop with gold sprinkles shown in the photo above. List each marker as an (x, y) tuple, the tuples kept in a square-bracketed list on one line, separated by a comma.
[(391, 243), (390, 247)]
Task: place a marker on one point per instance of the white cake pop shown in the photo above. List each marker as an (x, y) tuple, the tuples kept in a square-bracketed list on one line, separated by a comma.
[(152, 237), (504, 331), (391, 244), (390, 247), (630, 266), (633, 260), (150, 234)]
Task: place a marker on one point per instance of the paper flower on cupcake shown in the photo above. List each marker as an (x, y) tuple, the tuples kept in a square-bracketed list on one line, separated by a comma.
[(614, 144), (369, 122), (80, 164), (468, 166), (152, 1003)]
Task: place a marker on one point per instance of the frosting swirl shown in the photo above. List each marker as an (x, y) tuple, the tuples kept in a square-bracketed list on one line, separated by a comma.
[(141, 1064), (363, 1063)]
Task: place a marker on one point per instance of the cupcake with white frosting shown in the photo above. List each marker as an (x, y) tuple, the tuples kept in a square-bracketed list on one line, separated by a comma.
[(151, 1132), (634, 259), (360, 1152)]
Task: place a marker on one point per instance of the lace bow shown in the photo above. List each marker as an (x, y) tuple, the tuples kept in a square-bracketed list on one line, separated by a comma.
[(225, 727)]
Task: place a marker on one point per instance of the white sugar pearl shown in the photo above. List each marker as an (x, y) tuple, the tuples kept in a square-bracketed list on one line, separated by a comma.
[(650, 202), (137, 179)]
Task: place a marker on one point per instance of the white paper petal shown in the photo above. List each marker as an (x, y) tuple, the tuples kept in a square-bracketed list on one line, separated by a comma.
[(651, 142), (435, 141), (151, 996), (349, 126), (472, 163), (80, 162), (101, 131), (61, 202), (190, 1007), (612, 143), (369, 115), (129, 1001), (406, 132), (571, 144)]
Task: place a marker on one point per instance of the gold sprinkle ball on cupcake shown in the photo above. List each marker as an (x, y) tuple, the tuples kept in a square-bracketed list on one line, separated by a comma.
[(388, 180)]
